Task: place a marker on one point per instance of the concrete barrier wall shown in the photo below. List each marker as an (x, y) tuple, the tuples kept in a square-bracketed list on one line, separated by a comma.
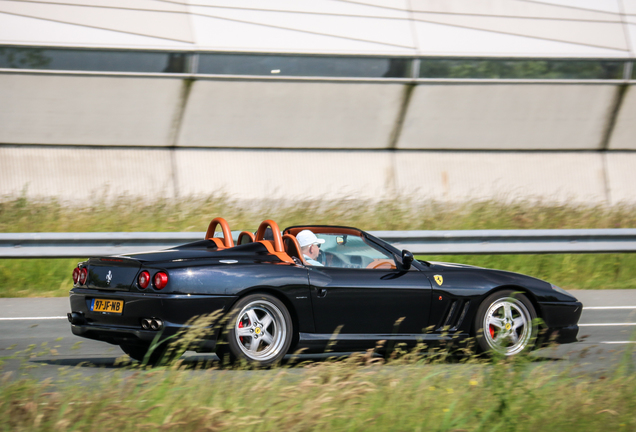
[(281, 174), (168, 111), (93, 110), (504, 176), (590, 178), (279, 114), (624, 132), (621, 173), (103, 136), (81, 174), (507, 116)]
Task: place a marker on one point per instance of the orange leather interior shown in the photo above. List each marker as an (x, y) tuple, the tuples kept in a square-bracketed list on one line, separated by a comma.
[(292, 247), (275, 247), (218, 242), (278, 238), (245, 237), (227, 241), (382, 264)]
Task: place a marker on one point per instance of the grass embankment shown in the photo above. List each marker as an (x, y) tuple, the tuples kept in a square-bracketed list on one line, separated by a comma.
[(353, 394), (20, 278)]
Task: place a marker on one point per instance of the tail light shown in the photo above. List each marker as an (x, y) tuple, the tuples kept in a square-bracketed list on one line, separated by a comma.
[(83, 275), (160, 280), (76, 275), (144, 279)]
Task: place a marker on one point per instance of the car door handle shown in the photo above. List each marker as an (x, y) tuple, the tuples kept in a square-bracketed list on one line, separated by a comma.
[(322, 292)]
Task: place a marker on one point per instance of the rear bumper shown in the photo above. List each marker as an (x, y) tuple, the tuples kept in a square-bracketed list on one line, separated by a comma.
[(121, 335), (176, 311)]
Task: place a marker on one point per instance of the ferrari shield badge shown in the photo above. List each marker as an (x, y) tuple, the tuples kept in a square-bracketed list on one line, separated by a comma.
[(439, 279)]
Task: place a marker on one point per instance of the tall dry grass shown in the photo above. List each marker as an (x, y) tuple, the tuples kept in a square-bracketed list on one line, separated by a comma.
[(356, 393), (129, 214)]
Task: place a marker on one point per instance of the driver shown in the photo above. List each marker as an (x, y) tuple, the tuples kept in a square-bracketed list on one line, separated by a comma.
[(309, 246)]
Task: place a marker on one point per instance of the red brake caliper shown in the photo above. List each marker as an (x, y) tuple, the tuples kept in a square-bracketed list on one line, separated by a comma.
[(241, 326), (492, 331)]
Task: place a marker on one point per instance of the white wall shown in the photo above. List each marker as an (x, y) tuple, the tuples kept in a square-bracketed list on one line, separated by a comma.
[(269, 114), (624, 133), (547, 28), (505, 176), (147, 111), (507, 116), (85, 174), (78, 137), (88, 110), (284, 174), (621, 172), (590, 178)]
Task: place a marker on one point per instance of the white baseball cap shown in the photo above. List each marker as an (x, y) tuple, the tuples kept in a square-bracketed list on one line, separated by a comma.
[(306, 238)]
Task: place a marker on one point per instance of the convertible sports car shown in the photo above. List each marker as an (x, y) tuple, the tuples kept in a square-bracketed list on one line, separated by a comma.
[(275, 302)]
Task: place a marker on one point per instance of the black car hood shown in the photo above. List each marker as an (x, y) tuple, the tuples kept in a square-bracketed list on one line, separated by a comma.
[(442, 266), (436, 265)]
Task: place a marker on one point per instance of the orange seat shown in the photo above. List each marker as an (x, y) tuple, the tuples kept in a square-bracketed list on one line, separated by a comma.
[(221, 242), (275, 246), (245, 237), (293, 248)]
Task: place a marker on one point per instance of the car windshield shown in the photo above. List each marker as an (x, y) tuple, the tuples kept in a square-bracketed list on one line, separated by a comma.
[(350, 251)]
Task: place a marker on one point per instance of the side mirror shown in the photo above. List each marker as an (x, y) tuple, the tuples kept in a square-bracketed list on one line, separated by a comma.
[(407, 259)]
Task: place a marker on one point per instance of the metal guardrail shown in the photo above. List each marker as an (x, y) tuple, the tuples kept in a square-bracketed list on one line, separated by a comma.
[(82, 245), (513, 241)]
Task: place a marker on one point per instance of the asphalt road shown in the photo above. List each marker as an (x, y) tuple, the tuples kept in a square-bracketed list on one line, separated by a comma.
[(36, 341)]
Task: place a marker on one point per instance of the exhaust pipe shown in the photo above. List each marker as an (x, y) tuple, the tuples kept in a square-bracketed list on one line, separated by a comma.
[(156, 324), (151, 324), (76, 318)]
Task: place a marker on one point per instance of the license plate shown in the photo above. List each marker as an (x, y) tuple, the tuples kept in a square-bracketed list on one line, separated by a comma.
[(111, 306)]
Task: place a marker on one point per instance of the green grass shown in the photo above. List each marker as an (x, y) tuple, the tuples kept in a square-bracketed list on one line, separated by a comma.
[(36, 277), (21, 278), (358, 393)]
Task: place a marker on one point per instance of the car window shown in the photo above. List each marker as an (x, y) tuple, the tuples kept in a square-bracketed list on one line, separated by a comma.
[(350, 251)]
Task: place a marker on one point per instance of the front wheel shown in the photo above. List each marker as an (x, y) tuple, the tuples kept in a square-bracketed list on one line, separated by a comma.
[(260, 330), (505, 323)]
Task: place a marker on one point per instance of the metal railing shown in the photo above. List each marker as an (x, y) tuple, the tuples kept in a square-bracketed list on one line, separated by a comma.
[(82, 245)]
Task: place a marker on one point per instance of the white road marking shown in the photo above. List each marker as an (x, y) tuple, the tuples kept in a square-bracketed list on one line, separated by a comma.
[(33, 318), (607, 324), (618, 342), (607, 307)]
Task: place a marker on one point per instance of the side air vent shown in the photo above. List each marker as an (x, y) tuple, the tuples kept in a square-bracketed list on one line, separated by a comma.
[(449, 315), (460, 320), (455, 315)]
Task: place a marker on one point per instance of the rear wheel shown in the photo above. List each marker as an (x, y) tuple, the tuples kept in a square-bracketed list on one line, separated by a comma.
[(260, 330), (505, 323)]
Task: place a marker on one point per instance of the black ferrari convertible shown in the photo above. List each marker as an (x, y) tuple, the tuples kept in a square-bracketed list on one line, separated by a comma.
[(347, 289)]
